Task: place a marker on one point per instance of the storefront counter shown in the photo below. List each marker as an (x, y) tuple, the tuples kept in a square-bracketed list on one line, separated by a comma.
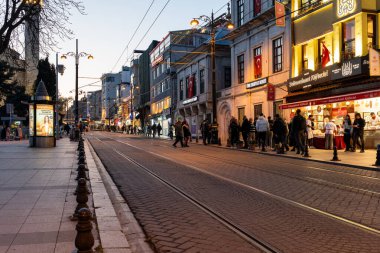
[(371, 138), (319, 142)]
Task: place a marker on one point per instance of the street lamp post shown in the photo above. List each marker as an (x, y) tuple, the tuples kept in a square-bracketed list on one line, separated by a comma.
[(77, 55), (213, 23)]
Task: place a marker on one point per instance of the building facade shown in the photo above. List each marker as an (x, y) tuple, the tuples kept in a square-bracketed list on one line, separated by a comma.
[(194, 93), (163, 83), (94, 99), (260, 64), (110, 89), (331, 64)]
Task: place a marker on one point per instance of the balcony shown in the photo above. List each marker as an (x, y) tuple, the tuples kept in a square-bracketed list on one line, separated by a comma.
[(310, 5)]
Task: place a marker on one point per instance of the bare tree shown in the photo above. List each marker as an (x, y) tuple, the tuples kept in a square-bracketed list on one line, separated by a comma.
[(49, 17)]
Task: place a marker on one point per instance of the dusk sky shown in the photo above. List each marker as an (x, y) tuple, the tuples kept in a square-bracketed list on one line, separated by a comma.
[(109, 25)]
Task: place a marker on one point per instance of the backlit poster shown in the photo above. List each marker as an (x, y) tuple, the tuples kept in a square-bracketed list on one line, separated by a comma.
[(45, 120), (31, 120)]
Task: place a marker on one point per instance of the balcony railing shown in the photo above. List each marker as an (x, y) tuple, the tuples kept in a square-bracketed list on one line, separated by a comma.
[(307, 6)]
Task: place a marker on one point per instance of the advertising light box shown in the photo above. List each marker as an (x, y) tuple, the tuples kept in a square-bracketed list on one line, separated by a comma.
[(31, 120), (45, 120)]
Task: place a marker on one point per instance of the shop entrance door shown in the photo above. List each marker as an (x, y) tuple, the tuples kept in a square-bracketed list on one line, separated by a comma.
[(257, 109)]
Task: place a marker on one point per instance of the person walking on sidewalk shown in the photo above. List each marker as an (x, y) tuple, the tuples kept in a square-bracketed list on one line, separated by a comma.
[(262, 127), (154, 129), (280, 132), (178, 133), (269, 137), (205, 131), (358, 132), (245, 127), (252, 133), (347, 128), (309, 130), (234, 131), (159, 128), (299, 129), (186, 132), (330, 130)]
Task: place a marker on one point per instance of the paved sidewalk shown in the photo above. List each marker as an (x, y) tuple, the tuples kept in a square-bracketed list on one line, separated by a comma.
[(36, 198)]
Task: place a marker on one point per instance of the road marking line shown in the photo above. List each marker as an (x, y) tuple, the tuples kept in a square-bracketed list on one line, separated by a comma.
[(294, 203)]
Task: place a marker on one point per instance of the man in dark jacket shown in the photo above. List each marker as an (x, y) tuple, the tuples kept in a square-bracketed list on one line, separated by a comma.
[(245, 127), (299, 130), (178, 133), (280, 132), (205, 131), (358, 132)]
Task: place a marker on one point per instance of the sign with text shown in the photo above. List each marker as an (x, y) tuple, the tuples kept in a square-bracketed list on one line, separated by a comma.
[(257, 83), (308, 79), (349, 68), (45, 120), (271, 92), (189, 101), (280, 13), (31, 120), (374, 62)]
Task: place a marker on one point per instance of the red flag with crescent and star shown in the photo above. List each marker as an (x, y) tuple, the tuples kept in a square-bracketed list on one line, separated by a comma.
[(258, 66), (257, 9), (325, 55)]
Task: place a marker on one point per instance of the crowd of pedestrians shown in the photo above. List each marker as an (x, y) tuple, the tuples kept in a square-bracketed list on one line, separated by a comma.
[(278, 135)]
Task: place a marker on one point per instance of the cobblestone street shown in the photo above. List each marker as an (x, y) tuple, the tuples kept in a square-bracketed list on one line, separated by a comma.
[(204, 199)]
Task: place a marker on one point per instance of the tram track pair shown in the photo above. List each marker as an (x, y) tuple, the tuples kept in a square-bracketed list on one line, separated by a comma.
[(274, 196), (252, 239)]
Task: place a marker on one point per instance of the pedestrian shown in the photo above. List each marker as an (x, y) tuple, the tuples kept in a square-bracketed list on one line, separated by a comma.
[(299, 129), (280, 132), (309, 130), (358, 132), (154, 129), (234, 130), (3, 133), (149, 131), (330, 130), (269, 135), (171, 134), (252, 134), (159, 128), (262, 127), (186, 132), (245, 127), (347, 128), (205, 131), (178, 133)]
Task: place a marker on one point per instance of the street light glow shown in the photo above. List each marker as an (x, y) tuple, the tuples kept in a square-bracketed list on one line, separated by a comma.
[(90, 57), (194, 22)]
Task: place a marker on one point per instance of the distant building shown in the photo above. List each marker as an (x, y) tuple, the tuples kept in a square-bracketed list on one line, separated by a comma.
[(94, 99), (194, 93), (110, 89), (163, 83)]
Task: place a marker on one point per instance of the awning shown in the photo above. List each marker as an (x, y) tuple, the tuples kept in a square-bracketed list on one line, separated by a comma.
[(334, 99)]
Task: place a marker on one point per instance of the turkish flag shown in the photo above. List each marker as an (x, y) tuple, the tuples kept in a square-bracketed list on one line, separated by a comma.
[(325, 55), (258, 66), (257, 7), (191, 87), (279, 13)]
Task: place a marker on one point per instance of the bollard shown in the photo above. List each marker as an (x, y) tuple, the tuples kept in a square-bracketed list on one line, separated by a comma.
[(377, 163), (335, 158), (81, 187), (82, 167), (196, 139), (82, 160), (228, 143), (219, 142), (81, 174), (306, 151), (84, 240), (81, 153), (81, 198)]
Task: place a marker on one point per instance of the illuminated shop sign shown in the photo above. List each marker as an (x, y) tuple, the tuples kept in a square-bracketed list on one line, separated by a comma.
[(345, 69), (257, 83), (158, 60), (349, 68), (191, 100), (345, 7), (309, 78)]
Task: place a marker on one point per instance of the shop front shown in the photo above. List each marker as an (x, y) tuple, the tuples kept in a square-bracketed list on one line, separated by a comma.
[(336, 108), (164, 119), (333, 92)]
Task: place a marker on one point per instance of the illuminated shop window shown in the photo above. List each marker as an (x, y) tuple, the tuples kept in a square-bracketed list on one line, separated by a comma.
[(371, 24), (305, 61), (349, 39)]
